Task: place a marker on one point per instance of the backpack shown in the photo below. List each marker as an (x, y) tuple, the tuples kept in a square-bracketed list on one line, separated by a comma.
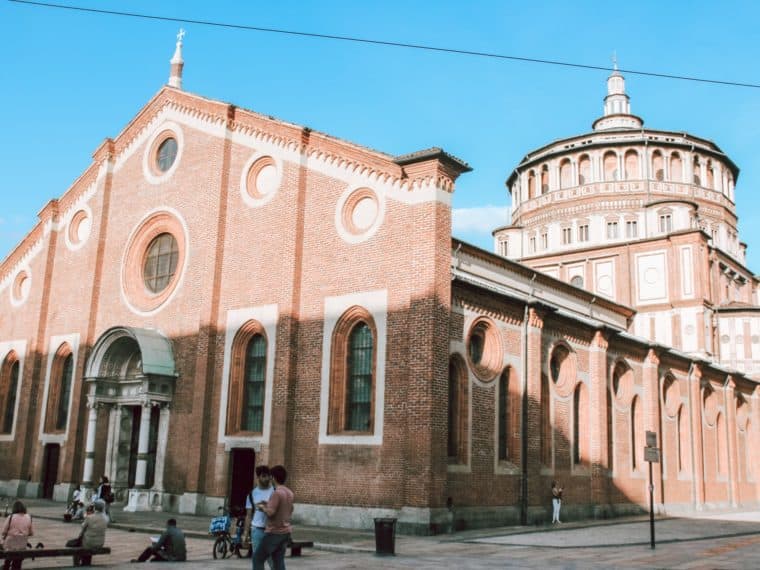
[(106, 494)]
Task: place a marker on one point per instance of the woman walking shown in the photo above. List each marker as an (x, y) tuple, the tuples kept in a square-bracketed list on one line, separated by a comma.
[(16, 530)]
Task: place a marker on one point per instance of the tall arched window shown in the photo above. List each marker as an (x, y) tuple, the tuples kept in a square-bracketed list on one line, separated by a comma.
[(676, 167), (352, 373), (565, 174), (253, 391), (682, 439), (59, 390), (637, 434), (544, 179), (584, 170), (721, 444), (503, 415), (710, 175), (632, 165), (9, 378), (580, 424), (610, 166), (697, 170), (531, 185), (457, 416), (658, 168), (247, 391), (546, 421)]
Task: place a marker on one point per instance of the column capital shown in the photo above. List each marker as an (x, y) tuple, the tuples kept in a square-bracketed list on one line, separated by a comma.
[(730, 384), (601, 340), (756, 392), (535, 318), (652, 358), (696, 372)]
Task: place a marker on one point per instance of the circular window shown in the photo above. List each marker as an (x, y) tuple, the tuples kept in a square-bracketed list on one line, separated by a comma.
[(724, 338), (166, 154), (79, 227), (262, 179), (154, 261), (21, 285), (577, 281), (484, 351), (160, 262), (163, 154), (360, 211), (755, 339)]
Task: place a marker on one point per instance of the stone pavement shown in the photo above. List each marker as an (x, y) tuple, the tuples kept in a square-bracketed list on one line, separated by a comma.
[(711, 540)]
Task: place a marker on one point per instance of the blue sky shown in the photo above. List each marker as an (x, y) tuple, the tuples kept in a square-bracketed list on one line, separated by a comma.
[(70, 79)]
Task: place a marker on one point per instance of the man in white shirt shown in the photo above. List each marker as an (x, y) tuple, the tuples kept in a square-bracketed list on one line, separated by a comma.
[(261, 493)]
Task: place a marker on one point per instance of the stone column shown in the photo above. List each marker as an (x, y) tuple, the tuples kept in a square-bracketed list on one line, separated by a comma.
[(598, 395), (112, 445), (89, 446), (697, 447), (143, 446), (163, 437), (729, 402), (652, 415)]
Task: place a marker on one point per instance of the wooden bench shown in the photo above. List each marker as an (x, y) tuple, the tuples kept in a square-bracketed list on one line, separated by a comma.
[(295, 547), (76, 553)]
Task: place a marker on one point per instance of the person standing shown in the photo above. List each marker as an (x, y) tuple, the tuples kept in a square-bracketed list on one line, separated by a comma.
[(556, 502), (261, 493), (279, 510), (105, 494), (170, 547), (16, 530)]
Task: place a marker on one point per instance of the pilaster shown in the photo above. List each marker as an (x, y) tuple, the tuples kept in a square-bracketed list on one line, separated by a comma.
[(533, 435), (729, 395), (697, 445), (598, 395), (652, 414)]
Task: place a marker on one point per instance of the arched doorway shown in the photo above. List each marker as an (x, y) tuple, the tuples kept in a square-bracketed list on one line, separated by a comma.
[(130, 373)]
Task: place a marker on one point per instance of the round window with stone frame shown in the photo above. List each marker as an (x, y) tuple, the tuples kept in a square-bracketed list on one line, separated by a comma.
[(21, 285), (79, 228), (163, 154), (154, 261), (484, 350), (166, 154), (360, 211), (262, 178)]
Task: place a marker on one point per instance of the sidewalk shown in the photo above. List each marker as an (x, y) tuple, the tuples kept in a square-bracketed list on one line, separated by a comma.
[(712, 540)]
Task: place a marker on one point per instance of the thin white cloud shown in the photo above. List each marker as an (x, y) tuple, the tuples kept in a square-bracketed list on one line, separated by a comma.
[(481, 220)]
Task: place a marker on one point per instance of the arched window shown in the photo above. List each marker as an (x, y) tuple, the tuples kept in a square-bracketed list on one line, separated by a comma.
[(676, 167), (59, 390), (710, 175), (352, 379), (580, 424), (544, 179), (546, 421), (632, 165), (9, 379), (531, 185), (503, 415), (247, 392), (697, 169), (610, 166), (637, 434), (682, 439), (721, 444), (565, 174), (457, 417), (584, 170), (657, 166)]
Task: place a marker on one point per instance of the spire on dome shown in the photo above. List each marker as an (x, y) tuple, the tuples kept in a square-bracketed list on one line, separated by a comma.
[(177, 63), (617, 105)]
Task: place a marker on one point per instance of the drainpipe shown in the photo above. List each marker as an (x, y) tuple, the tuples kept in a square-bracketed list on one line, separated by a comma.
[(524, 414)]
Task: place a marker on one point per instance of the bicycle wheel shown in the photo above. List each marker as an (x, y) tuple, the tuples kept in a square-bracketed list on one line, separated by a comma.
[(222, 548)]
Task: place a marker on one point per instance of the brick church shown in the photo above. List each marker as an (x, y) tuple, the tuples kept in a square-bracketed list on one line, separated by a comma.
[(221, 289)]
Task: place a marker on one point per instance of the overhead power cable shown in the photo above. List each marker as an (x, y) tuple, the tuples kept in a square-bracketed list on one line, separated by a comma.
[(385, 43)]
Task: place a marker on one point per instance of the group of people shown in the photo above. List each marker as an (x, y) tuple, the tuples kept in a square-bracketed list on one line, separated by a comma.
[(269, 507)]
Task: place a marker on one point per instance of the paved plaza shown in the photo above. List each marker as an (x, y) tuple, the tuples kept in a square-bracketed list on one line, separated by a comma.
[(728, 541)]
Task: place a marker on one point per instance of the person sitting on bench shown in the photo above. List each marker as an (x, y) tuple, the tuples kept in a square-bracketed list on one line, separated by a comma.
[(170, 547), (93, 533)]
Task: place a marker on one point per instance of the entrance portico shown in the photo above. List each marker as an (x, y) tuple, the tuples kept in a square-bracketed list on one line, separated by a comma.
[(131, 372)]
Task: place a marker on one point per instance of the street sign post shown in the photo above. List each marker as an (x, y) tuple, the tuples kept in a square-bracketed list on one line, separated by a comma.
[(651, 455)]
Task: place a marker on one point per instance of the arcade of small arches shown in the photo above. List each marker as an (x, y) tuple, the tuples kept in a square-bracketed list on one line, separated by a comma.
[(610, 165)]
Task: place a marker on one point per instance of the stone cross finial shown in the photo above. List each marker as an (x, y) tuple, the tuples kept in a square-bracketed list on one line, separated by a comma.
[(181, 35), (614, 60)]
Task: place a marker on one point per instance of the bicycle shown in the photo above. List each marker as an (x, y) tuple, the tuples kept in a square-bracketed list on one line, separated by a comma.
[(226, 544)]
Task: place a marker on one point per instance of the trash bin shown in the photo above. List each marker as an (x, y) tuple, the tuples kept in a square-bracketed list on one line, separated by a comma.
[(385, 536)]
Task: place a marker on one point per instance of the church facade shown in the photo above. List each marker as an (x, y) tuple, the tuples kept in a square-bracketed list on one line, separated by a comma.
[(221, 289)]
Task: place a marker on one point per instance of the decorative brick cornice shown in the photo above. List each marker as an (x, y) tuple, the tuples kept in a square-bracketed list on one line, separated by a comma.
[(600, 340), (536, 318)]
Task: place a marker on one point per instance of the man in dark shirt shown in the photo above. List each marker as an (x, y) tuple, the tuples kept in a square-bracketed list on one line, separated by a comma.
[(169, 548), (279, 509)]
